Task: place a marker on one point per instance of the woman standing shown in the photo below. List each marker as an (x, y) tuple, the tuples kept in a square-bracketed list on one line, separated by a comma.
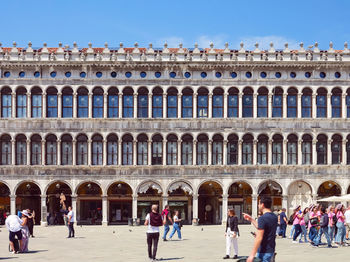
[(313, 221), (25, 231), (340, 237), (303, 226), (176, 226), (31, 222), (296, 223), (331, 224), (231, 233)]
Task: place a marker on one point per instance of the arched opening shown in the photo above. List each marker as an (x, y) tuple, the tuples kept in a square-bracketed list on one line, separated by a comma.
[(210, 203), (321, 103), (127, 149), (306, 103), (232, 102), (97, 150), (337, 149), (36, 106), (6, 150), (277, 150), (202, 103), (240, 199), (187, 103), (142, 103), (66, 150), (292, 103), (306, 149), (218, 103), (97, 102), (292, 150), (58, 199), (83, 103), (89, 204), (120, 203), (336, 103), (35, 150), (149, 193), (113, 103), (328, 189), (277, 102), (142, 149), (157, 103), (5, 206), (262, 102), (172, 94), (180, 198), (274, 190), (217, 151), (262, 158), (157, 150), (67, 102), (6, 102), (202, 149), (128, 103), (51, 102), (171, 147), (21, 102), (232, 149), (299, 194), (321, 149), (28, 197), (247, 150), (247, 102), (112, 149)]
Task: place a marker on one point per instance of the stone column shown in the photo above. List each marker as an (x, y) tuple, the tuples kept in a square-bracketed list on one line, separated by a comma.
[(343, 156), (134, 152), (314, 152), (13, 152), (210, 105), (179, 103), (120, 105), (58, 160), (255, 105), (90, 105), (28, 152), (195, 210), (284, 107), (105, 105), (225, 105), (329, 106), (240, 103), (75, 210), (284, 150), (74, 152), (329, 151), (343, 106), (210, 152), (269, 152), (314, 198), (104, 155), (14, 107), (134, 209), (104, 211), (150, 105), (120, 145), (164, 202), (75, 103), (179, 152), (269, 104), (224, 208), (164, 105), (135, 105), (254, 206), (164, 152), (299, 105), (89, 142), (239, 156), (194, 155), (224, 152), (59, 105), (195, 101), (43, 221), (43, 152), (255, 142), (300, 152), (29, 105), (13, 204), (149, 152), (44, 105), (285, 202), (314, 106)]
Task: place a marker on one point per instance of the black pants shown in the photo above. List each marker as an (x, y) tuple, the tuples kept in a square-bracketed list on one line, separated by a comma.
[(71, 229), (152, 238), (30, 226), (297, 231)]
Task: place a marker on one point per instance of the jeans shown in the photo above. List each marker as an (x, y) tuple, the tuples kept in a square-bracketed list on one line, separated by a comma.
[(303, 233), (312, 233), (323, 230), (166, 230), (176, 228), (152, 238), (71, 229), (297, 231), (340, 237), (283, 229), (265, 257), (292, 231), (331, 233)]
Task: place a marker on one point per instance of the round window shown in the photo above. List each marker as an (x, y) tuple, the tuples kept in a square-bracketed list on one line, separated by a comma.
[(22, 74), (99, 74), (53, 74), (203, 74), (218, 74), (263, 74), (322, 74), (157, 74), (128, 74), (293, 74), (337, 75), (113, 74), (307, 74), (233, 74), (7, 74), (248, 74), (278, 75), (82, 74), (172, 74), (68, 74), (143, 74), (187, 74), (36, 74)]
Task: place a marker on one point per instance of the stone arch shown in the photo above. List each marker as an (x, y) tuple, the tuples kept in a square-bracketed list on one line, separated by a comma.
[(329, 188), (143, 184), (85, 182), (189, 184), (299, 194)]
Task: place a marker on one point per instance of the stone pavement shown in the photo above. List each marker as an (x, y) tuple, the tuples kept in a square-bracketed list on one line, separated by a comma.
[(123, 243)]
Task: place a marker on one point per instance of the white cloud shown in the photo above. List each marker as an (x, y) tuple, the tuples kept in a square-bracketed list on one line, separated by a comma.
[(204, 41), (264, 42)]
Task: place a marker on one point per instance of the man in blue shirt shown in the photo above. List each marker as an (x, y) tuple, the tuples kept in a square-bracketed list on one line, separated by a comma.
[(283, 223)]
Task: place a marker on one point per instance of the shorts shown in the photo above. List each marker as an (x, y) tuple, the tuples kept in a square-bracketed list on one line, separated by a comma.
[(347, 226), (13, 234)]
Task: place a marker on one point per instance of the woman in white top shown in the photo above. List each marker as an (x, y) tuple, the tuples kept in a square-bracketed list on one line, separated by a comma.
[(176, 226)]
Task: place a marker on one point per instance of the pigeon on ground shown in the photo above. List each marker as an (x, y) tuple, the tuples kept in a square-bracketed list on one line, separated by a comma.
[(202, 229)]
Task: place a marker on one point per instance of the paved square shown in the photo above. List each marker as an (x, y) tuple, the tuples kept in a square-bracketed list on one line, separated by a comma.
[(123, 243)]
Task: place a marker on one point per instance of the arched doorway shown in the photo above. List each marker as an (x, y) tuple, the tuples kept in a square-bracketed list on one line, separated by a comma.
[(58, 200), (210, 203), (240, 199), (180, 198), (328, 189), (149, 193), (4, 202), (89, 204), (28, 197), (120, 203), (274, 190), (299, 194)]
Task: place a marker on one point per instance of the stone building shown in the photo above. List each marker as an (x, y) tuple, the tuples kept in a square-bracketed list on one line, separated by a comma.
[(117, 129)]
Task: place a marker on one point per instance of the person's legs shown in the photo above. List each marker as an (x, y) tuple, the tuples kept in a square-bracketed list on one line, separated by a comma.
[(325, 231), (297, 232), (73, 232), (12, 238), (343, 234), (155, 244), (172, 232), (292, 231), (149, 244), (228, 245), (166, 230), (178, 231), (339, 233), (265, 257), (331, 233), (235, 246)]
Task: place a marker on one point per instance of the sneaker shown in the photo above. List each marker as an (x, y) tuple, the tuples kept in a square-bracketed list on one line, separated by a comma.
[(226, 257), (235, 257), (330, 246), (294, 241), (164, 239), (301, 241)]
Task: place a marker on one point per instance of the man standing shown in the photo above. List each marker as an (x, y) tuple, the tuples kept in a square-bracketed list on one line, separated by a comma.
[(283, 223), (168, 221), (71, 220), (347, 222), (264, 244), (13, 224), (323, 229)]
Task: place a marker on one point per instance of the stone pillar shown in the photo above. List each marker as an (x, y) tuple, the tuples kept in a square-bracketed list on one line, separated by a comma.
[(120, 105), (89, 143), (179, 103), (29, 105), (314, 106), (329, 106), (210, 152), (224, 152), (75, 105), (255, 142), (314, 152), (269, 152), (105, 105), (269, 105), (255, 105), (59, 105), (104, 211), (43, 152), (284, 107), (284, 150), (104, 150), (343, 106), (300, 152), (164, 105), (195, 210), (225, 105), (164, 202), (58, 160), (314, 198), (164, 152), (43, 221), (210, 105), (299, 105), (285, 202), (194, 155), (74, 152), (44, 105), (179, 152), (150, 105), (343, 155), (28, 152), (240, 103), (134, 152), (224, 208), (120, 145), (14, 107), (13, 204), (75, 210), (149, 152), (329, 151), (239, 156), (254, 206), (135, 105), (134, 209), (90, 105), (13, 152), (195, 101)]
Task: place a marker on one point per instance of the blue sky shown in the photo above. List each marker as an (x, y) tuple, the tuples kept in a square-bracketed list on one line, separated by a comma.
[(145, 22)]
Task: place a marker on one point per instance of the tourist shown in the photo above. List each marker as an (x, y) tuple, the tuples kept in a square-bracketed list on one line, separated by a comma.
[(71, 220), (313, 222), (296, 223), (324, 220), (13, 224), (168, 221), (291, 222), (340, 236), (303, 224), (31, 222), (265, 240), (331, 223), (283, 223), (153, 221), (231, 233), (347, 222), (176, 226), (25, 231)]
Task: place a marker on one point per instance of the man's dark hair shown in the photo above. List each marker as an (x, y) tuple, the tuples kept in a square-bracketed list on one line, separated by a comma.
[(323, 210), (267, 201), (166, 206)]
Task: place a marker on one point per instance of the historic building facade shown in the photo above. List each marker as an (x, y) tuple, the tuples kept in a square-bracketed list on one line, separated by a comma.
[(117, 129)]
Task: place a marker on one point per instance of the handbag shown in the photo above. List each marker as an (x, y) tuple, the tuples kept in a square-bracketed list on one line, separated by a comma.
[(314, 221)]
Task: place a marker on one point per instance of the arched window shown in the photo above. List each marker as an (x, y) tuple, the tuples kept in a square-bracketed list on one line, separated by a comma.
[(306, 103), (6, 103), (232, 150), (157, 150), (277, 155), (217, 150), (292, 150), (292, 103), (321, 149), (336, 102), (187, 150), (112, 150), (35, 148), (336, 147), (97, 150), (262, 102), (306, 150), (21, 103), (36, 102), (202, 103), (21, 150), (232, 103), (142, 103), (82, 150), (113, 103), (247, 150), (97, 103), (172, 150), (142, 150), (51, 150), (202, 150), (247, 102), (218, 103), (83, 103), (172, 103), (67, 102), (51, 104), (6, 150), (157, 103), (321, 103), (127, 149), (277, 102), (187, 103), (66, 150), (262, 149), (128, 103)]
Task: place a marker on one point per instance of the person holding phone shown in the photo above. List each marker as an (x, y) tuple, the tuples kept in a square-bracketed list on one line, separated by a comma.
[(231, 233)]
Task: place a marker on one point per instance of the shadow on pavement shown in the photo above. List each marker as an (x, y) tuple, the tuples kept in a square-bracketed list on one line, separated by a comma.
[(170, 258)]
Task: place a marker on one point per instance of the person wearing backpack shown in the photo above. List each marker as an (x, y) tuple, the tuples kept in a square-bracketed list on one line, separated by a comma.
[(324, 220), (331, 223), (153, 221), (303, 224)]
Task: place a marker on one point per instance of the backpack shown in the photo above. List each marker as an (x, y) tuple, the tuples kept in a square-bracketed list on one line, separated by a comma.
[(291, 219), (335, 219), (155, 219), (306, 218)]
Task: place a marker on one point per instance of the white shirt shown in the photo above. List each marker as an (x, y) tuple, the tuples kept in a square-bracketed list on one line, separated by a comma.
[(176, 218), (151, 229), (13, 223), (347, 216), (71, 214)]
